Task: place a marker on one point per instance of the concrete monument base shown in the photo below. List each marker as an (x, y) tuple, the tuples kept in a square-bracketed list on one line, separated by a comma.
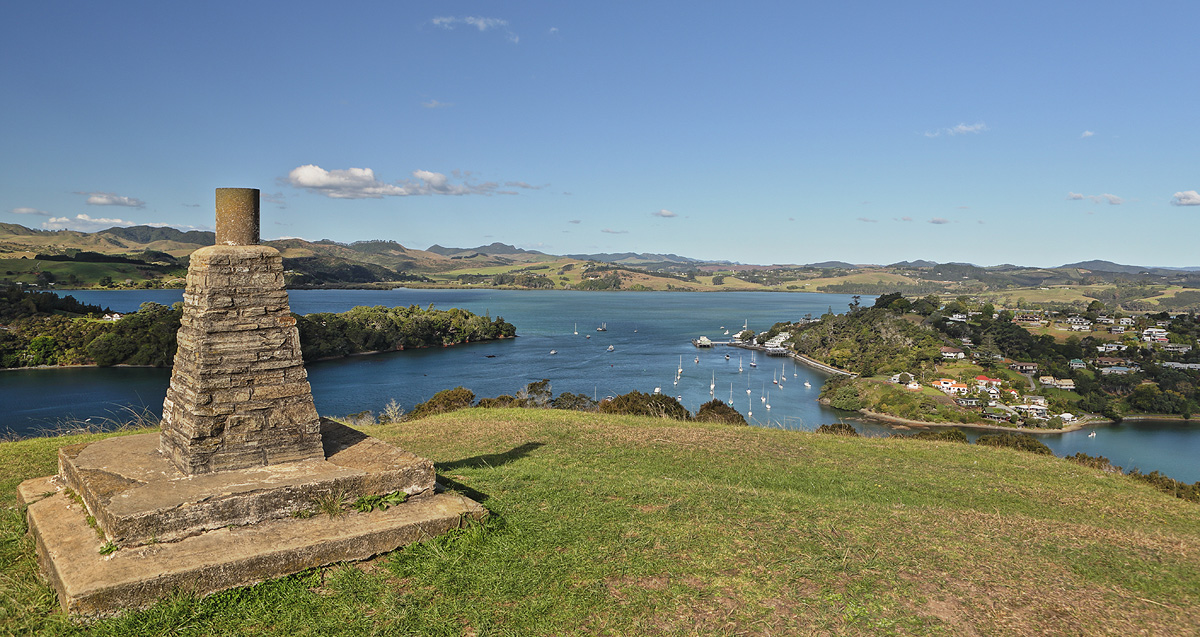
[(210, 532)]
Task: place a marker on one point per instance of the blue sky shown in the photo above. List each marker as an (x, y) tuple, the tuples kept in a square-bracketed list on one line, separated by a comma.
[(1032, 133)]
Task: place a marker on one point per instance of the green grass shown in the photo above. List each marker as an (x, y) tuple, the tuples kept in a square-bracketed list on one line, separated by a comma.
[(629, 526)]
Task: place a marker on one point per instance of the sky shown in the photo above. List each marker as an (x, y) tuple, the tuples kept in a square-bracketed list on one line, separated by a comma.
[(1032, 133)]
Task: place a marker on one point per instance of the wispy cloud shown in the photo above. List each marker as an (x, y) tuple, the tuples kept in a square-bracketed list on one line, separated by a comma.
[(610, 231), (575, 221), (522, 184), (276, 198), (111, 199), (1186, 198), (960, 129), (436, 104), (905, 219), (866, 220), (29, 211), (664, 213), (939, 221), (479, 22), (84, 223), (361, 183), (1112, 200), (1086, 134)]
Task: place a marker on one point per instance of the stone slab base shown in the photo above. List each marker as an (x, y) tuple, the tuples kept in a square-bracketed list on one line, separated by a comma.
[(89, 583), (138, 496)]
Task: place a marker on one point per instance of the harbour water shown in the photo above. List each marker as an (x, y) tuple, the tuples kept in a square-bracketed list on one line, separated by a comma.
[(650, 334)]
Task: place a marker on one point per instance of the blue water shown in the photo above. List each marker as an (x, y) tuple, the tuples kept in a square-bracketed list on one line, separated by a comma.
[(650, 332)]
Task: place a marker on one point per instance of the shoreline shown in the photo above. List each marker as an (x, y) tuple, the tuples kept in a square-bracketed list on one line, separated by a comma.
[(906, 423), (315, 360)]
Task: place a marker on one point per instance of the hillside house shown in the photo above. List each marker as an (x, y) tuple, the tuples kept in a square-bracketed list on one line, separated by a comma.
[(1116, 329), (1154, 335), (952, 353), (1076, 363), (1178, 348), (1126, 321), (984, 381), (1065, 383), (1035, 400), (1112, 347), (1024, 368)]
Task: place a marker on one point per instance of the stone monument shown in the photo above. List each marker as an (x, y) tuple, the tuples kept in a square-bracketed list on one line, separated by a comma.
[(239, 394), (224, 495)]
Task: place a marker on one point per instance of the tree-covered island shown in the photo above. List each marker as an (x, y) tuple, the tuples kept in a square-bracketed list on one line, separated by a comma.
[(44, 329)]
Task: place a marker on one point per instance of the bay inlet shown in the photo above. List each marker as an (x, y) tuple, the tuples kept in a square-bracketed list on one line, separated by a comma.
[(650, 334)]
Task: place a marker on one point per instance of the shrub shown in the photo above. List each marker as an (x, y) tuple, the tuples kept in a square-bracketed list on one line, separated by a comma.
[(442, 402), (838, 429), (944, 435), (578, 402), (717, 411), (1094, 462), (638, 403), (1015, 441)]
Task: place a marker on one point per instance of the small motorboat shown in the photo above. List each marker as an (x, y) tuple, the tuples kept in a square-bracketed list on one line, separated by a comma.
[(1092, 435), (553, 352), (611, 348)]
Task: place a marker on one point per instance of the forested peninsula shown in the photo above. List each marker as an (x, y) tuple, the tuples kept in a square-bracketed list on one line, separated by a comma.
[(43, 329)]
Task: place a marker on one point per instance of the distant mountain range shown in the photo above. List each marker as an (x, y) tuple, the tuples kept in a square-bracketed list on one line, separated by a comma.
[(383, 260)]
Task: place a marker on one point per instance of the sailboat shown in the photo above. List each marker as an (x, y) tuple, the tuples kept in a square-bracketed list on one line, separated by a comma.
[(768, 401), (753, 362), (679, 371), (1092, 435), (774, 378), (739, 364), (730, 394), (712, 386), (762, 398), (577, 329), (807, 384), (603, 327), (750, 409)]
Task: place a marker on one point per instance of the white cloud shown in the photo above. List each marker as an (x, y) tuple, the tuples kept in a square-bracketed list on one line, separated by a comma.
[(906, 218), (938, 221), (29, 211), (522, 184), (1186, 198), (112, 199), (575, 221), (610, 231), (1086, 134), (553, 30), (84, 223), (1111, 199), (664, 213), (866, 220), (960, 129), (479, 22), (436, 104), (360, 183)]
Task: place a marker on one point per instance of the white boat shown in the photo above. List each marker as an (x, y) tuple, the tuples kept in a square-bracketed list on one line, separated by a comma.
[(1092, 435), (739, 364), (697, 360), (730, 394), (807, 384), (712, 386), (768, 401), (611, 348), (577, 329), (553, 352), (753, 362), (658, 390), (726, 332), (603, 327), (680, 370)]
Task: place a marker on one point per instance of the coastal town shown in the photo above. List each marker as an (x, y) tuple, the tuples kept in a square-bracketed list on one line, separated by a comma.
[(1048, 370)]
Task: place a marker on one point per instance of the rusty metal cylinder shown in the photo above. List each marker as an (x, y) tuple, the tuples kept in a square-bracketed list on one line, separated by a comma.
[(237, 216)]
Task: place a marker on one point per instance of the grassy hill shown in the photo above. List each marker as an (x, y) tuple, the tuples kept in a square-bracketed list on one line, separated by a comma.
[(636, 526)]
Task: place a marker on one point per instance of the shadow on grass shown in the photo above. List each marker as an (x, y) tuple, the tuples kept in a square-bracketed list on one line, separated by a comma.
[(480, 462)]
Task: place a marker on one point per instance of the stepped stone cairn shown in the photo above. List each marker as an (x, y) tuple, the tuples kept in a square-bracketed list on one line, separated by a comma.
[(225, 494), (239, 394)]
